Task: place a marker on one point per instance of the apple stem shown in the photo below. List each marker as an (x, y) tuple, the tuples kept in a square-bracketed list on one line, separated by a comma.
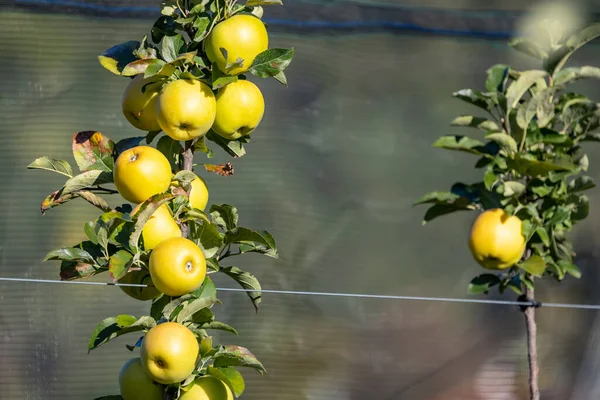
[(188, 165), (534, 370)]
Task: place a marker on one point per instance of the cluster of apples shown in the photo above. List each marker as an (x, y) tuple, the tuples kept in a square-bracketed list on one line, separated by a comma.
[(186, 109)]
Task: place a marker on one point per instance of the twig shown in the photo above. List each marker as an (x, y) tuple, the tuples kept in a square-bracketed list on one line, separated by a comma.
[(188, 165), (101, 189)]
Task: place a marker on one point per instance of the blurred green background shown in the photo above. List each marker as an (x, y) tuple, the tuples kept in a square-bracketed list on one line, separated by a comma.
[(332, 172)]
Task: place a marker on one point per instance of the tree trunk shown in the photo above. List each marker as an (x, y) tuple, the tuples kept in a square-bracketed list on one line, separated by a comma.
[(534, 370)]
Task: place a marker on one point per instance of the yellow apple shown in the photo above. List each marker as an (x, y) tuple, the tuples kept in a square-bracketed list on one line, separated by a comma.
[(141, 172), (199, 194), (240, 108), (136, 384), (160, 226), (177, 266), (169, 352), (207, 388), (140, 107), (185, 109), (243, 36)]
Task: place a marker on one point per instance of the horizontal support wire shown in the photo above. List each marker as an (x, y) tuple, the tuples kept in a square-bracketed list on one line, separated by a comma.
[(330, 294)]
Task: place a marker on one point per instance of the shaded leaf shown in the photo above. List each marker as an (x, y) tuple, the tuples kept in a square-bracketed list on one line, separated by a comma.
[(113, 327), (570, 268), (207, 236), (581, 183), (513, 188), (172, 149), (118, 56), (237, 356), (475, 98), (119, 263), (483, 283), (437, 210), (497, 76), (190, 309), (246, 281), (504, 140), (254, 241), (460, 143), (70, 270), (216, 325), (51, 164), (559, 58), (94, 199), (224, 215), (234, 148)]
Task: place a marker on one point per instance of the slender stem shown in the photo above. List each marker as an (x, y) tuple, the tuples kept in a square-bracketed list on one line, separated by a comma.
[(188, 164), (534, 370), (101, 189)]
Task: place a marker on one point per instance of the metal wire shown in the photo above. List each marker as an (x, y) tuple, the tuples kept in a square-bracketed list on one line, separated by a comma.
[(331, 294)]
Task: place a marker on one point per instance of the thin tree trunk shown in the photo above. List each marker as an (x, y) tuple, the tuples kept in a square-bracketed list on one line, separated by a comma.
[(188, 163), (534, 370)]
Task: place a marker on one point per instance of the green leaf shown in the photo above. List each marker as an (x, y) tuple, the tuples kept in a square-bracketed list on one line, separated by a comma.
[(536, 105), (528, 47), (216, 325), (558, 59), (460, 143), (281, 78), (158, 306), (437, 210), (570, 75), (535, 265), (237, 356), (533, 167), (513, 188), (497, 76), (207, 236), (117, 57), (86, 180), (246, 281), (253, 241), (570, 268), (504, 140), (153, 68), (113, 327), (224, 215), (543, 235), (52, 164), (475, 122), (201, 145), (475, 98), (185, 179), (190, 309), (219, 79), (234, 148), (271, 62), (119, 263), (527, 229), (93, 151), (171, 149), (483, 283), (518, 88), (438, 198), (69, 254), (581, 183), (230, 376), (201, 24), (145, 211), (252, 3), (170, 46)]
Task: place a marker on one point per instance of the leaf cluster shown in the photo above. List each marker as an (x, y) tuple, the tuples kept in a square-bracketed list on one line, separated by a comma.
[(530, 152)]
